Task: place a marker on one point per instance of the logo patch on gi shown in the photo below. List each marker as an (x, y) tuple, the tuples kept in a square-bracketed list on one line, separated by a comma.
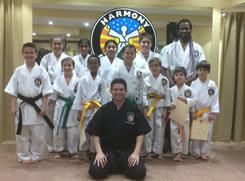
[(164, 81), (139, 74), (124, 25), (99, 87), (196, 53), (75, 88), (187, 93), (211, 91), (38, 82), (130, 118)]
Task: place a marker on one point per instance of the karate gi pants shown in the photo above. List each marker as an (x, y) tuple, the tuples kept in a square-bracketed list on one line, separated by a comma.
[(48, 131), (153, 141), (177, 144), (30, 144), (117, 161), (66, 138), (88, 144)]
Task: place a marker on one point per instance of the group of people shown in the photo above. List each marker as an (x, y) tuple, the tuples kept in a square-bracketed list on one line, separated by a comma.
[(122, 104)]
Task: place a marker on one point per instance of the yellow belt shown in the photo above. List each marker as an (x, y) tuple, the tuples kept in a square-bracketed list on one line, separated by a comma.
[(153, 105), (200, 112), (88, 105)]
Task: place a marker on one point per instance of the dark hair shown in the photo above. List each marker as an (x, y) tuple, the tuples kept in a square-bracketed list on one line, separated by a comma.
[(184, 21), (180, 69), (146, 35), (111, 41), (68, 59), (119, 81), (60, 37), (155, 59), (94, 56), (203, 64), (128, 46), (30, 45), (83, 41)]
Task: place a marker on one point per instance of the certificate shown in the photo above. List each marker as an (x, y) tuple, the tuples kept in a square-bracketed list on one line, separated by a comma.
[(199, 129), (180, 113)]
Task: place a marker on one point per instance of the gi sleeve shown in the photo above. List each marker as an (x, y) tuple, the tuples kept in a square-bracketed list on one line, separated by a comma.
[(142, 126), (96, 125)]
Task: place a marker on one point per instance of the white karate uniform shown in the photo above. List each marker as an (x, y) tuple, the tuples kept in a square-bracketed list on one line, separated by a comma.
[(53, 66), (81, 66), (174, 55), (142, 63), (135, 81), (153, 141), (30, 144), (205, 100), (175, 129), (65, 137), (105, 63), (90, 89)]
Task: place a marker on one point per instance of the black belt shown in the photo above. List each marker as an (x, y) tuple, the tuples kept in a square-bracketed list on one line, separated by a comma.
[(31, 101)]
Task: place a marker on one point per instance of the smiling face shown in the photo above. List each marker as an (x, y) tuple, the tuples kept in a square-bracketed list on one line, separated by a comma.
[(93, 64), (145, 46), (111, 49), (67, 66), (57, 46), (129, 55), (185, 31), (84, 49), (118, 92), (155, 68), (29, 55)]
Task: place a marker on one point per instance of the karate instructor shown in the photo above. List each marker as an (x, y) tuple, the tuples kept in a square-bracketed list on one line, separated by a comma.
[(117, 131)]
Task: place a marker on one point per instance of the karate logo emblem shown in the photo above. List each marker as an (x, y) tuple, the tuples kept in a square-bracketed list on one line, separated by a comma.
[(38, 82), (124, 25), (187, 93), (164, 81), (196, 53), (211, 91), (130, 118), (139, 74)]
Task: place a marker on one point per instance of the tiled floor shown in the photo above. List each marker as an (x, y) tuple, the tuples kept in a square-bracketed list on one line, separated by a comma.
[(227, 163)]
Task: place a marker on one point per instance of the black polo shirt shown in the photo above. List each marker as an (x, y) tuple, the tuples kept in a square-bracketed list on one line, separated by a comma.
[(118, 129)]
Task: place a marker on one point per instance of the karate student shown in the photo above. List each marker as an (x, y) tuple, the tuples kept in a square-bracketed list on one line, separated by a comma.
[(52, 63), (110, 61), (90, 96), (131, 74), (156, 99), (145, 54), (207, 106), (179, 135), (29, 88), (183, 52), (82, 58), (66, 133)]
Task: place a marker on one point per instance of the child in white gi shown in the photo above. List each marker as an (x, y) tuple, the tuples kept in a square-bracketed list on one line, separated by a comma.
[(29, 87), (131, 74), (156, 99), (90, 96), (207, 105), (179, 135), (82, 58), (52, 63), (142, 58), (66, 133)]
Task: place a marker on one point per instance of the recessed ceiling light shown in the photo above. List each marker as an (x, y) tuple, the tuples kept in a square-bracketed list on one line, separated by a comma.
[(86, 24), (68, 34), (50, 22), (34, 34), (223, 14)]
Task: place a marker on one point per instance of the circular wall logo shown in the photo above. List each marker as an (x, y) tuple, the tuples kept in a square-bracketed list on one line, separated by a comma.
[(124, 25)]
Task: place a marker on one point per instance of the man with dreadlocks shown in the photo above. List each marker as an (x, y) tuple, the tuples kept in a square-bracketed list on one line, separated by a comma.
[(183, 52)]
